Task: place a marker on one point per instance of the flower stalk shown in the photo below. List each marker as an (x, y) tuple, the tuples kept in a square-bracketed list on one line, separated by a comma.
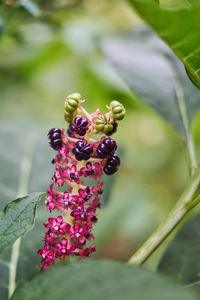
[(78, 157)]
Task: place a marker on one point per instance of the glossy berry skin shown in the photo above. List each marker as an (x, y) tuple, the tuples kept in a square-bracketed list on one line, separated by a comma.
[(82, 150), (111, 165), (70, 132), (106, 148), (113, 130), (55, 138), (80, 126)]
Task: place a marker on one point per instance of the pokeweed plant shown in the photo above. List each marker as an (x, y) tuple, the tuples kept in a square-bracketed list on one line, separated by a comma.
[(79, 156), (156, 75)]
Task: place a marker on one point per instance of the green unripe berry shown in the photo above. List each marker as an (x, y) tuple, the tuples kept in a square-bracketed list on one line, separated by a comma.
[(72, 102), (99, 127), (107, 128), (68, 116), (101, 120), (75, 96), (69, 108), (104, 125), (118, 110), (70, 105)]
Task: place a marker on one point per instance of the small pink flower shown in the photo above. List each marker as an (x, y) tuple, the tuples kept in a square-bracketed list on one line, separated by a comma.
[(78, 233), (50, 205), (49, 238), (67, 201), (92, 170), (62, 156), (79, 213), (57, 226), (57, 177), (83, 195), (97, 190), (86, 252), (72, 174), (63, 248), (47, 256)]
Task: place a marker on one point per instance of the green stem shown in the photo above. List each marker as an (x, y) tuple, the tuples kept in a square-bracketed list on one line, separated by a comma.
[(187, 201), (184, 116), (25, 169)]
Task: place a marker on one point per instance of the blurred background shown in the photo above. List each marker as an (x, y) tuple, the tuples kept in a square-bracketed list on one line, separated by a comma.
[(49, 49)]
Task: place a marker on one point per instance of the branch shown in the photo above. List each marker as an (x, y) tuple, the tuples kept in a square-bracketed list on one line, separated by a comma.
[(189, 199)]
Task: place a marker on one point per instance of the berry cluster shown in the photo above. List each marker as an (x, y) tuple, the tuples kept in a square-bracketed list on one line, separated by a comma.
[(78, 156), (55, 138), (106, 149)]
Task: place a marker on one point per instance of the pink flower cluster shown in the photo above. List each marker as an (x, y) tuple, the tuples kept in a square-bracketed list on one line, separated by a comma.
[(77, 158), (66, 235)]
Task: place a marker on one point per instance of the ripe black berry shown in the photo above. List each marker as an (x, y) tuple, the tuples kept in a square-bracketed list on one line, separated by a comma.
[(111, 165), (55, 138), (82, 150), (70, 132), (106, 148), (80, 126), (113, 130)]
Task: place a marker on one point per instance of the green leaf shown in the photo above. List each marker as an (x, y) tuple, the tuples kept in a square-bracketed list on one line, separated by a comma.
[(174, 4), (99, 280), (31, 7), (178, 26), (17, 219), (156, 75), (182, 257), (26, 171)]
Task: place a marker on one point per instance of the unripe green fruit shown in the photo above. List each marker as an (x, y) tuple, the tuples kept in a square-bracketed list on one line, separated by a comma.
[(69, 108), (104, 125), (75, 96), (70, 105), (68, 116), (118, 110), (107, 128), (72, 102)]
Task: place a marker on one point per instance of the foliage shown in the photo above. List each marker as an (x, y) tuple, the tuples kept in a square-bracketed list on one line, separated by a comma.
[(49, 50), (17, 219), (181, 258), (89, 279)]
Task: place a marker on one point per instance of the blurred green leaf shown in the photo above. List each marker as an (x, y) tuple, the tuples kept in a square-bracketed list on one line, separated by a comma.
[(182, 257), (1, 26), (17, 219), (177, 3), (99, 280), (151, 69), (31, 7), (28, 156), (178, 26)]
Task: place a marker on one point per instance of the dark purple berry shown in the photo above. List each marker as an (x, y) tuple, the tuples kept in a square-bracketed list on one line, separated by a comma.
[(82, 150), (80, 126), (106, 148), (113, 130), (55, 138), (70, 132), (94, 219), (111, 165)]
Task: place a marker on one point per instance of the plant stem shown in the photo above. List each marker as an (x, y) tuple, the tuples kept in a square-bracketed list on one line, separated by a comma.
[(25, 169), (186, 202), (84, 111), (184, 116)]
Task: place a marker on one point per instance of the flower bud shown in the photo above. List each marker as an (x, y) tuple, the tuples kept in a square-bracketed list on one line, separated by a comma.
[(118, 110)]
